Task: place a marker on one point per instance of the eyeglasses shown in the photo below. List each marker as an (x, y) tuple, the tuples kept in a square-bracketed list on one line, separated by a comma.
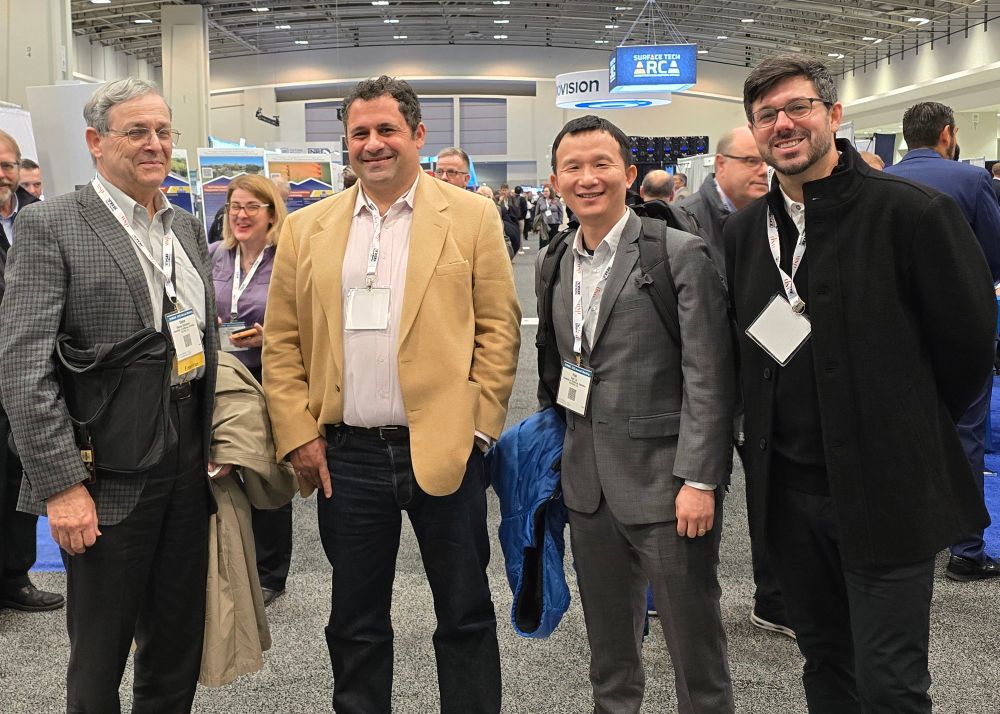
[(795, 109), (251, 209), (139, 136), (450, 173), (9, 166), (751, 162)]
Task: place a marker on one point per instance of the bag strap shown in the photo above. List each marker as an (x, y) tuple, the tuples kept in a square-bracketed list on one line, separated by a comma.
[(549, 358), (654, 263)]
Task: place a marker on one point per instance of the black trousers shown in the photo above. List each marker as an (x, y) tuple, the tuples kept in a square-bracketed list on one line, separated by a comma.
[(360, 525), (863, 631), (144, 578), (272, 537), (17, 529)]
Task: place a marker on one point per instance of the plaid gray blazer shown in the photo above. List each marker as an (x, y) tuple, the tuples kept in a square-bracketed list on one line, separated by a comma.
[(73, 270)]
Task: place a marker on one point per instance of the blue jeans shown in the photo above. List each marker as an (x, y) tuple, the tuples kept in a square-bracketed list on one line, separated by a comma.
[(359, 526)]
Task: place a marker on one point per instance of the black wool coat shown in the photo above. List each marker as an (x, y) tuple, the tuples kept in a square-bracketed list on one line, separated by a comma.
[(903, 325)]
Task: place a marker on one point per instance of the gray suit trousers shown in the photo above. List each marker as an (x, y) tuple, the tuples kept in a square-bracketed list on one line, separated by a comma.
[(614, 562)]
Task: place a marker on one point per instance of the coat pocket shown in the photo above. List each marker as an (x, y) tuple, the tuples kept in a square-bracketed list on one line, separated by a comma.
[(654, 426), (450, 268)]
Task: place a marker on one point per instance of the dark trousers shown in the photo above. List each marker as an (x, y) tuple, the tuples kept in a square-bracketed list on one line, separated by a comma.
[(769, 603), (272, 537), (144, 578), (863, 632), (17, 529), (971, 429), (372, 484)]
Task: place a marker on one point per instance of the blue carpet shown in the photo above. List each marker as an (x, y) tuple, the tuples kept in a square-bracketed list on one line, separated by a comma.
[(48, 559), (992, 536)]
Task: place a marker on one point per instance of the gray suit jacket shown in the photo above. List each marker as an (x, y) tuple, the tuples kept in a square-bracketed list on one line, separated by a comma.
[(73, 270), (660, 412)]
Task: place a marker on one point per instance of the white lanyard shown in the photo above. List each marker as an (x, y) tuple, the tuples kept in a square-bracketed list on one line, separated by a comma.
[(376, 245), (238, 286), (166, 267), (579, 315), (787, 281)]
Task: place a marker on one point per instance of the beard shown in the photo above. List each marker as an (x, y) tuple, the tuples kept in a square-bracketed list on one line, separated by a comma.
[(6, 193), (819, 146)]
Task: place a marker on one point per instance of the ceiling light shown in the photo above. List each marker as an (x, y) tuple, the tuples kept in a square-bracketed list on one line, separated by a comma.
[(282, 27), (703, 52), (390, 21), (302, 42), (868, 39), (399, 37), (622, 8), (721, 37), (499, 37), (380, 3), (611, 27), (501, 2), (143, 21), (260, 9), (836, 55), (878, 41), (100, 2), (918, 20), (604, 42), (500, 22)]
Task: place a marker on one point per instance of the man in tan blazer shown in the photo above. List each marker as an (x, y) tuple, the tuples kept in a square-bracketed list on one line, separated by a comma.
[(391, 341)]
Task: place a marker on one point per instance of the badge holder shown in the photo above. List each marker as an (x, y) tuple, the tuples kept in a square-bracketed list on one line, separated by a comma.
[(184, 333), (780, 331), (367, 309), (227, 330), (574, 388)]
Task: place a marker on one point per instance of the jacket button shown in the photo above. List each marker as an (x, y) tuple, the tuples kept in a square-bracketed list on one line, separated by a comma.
[(763, 444), (767, 373), (337, 387)]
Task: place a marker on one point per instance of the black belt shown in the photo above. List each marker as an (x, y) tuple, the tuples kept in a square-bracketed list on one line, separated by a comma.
[(383, 433), (182, 391)]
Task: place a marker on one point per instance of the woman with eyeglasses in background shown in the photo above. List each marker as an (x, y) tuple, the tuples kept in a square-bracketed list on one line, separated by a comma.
[(241, 269)]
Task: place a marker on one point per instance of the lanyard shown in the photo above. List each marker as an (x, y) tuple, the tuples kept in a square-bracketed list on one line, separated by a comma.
[(579, 315), (376, 245), (788, 281), (240, 286), (166, 268)]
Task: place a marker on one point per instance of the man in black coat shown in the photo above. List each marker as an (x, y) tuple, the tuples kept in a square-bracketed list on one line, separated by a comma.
[(864, 351), (17, 530)]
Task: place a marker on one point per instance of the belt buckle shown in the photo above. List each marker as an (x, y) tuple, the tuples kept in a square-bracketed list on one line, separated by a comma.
[(386, 432)]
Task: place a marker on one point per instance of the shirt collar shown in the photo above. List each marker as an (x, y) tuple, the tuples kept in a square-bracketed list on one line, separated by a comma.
[(136, 213), (362, 200), (726, 202), (610, 242), (15, 205)]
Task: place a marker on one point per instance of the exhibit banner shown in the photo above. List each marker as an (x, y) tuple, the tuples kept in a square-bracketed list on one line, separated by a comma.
[(177, 184), (216, 168), (653, 68), (589, 89), (311, 177)]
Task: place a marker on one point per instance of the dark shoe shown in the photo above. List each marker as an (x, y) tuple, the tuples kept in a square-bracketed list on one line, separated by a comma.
[(965, 569), (271, 595), (31, 599), (771, 623)]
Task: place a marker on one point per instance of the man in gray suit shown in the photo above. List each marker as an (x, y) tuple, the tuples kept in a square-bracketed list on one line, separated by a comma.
[(648, 445), (98, 266)]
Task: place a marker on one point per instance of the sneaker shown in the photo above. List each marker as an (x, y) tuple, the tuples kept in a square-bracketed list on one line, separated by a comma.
[(770, 623)]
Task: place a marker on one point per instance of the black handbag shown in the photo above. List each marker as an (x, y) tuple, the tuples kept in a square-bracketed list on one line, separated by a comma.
[(118, 397)]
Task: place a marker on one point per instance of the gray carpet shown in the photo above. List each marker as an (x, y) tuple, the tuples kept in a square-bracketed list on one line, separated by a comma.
[(543, 677)]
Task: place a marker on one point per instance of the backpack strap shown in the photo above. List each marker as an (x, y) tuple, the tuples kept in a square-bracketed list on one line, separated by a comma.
[(548, 359), (654, 263)]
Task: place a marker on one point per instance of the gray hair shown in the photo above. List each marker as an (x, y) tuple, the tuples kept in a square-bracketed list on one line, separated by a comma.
[(455, 151), (97, 108)]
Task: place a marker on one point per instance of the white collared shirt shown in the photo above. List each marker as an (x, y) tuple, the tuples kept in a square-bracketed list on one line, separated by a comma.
[(8, 222), (372, 393), (594, 267), (187, 280), (796, 211)]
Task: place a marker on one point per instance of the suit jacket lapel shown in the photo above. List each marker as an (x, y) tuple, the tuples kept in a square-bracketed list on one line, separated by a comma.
[(188, 241), (327, 246), (427, 235), (116, 240), (625, 259)]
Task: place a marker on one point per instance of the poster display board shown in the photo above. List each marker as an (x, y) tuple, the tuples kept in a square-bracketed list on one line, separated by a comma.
[(216, 168), (311, 177), (177, 184)]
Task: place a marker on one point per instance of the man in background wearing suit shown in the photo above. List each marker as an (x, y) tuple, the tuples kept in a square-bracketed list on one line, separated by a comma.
[(996, 179), (99, 265), (390, 346), (648, 445), (930, 133), (17, 530)]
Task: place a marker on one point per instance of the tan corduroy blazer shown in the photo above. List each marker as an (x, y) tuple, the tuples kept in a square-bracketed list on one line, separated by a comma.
[(459, 331)]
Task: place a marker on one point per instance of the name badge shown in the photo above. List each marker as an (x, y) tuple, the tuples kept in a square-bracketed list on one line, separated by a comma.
[(548, 213), (227, 330), (574, 388), (367, 309), (186, 337), (779, 330)]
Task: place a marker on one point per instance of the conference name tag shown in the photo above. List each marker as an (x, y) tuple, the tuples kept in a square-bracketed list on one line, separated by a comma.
[(226, 331), (367, 309), (574, 388), (779, 330), (186, 336)]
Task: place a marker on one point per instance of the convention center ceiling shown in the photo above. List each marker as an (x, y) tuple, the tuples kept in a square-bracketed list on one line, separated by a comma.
[(850, 33)]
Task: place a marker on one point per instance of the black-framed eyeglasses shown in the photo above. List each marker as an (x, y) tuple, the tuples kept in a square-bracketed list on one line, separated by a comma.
[(139, 135), (751, 162), (9, 166), (450, 173), (795, 109), (251, 209)]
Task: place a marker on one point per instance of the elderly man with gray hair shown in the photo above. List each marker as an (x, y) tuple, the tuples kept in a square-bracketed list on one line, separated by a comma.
[(107, 265)]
